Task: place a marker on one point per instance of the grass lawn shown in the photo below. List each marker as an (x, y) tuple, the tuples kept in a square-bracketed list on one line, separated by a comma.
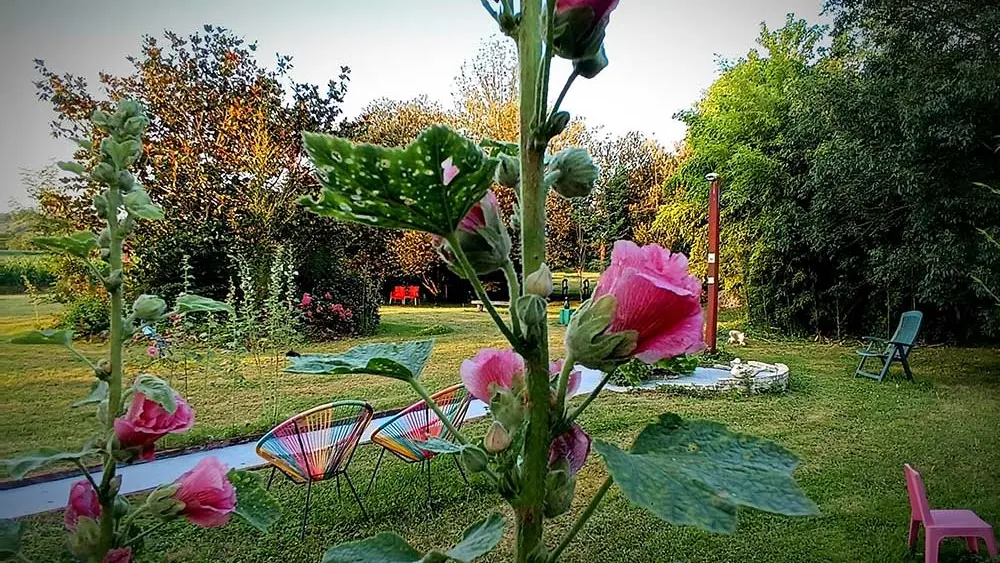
[(852, 435)]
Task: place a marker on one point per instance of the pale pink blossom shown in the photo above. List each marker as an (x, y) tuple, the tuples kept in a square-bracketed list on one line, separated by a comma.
[(208, 496), (490, 369), (448, 171), (657, 298), (83, 501), (146, 421), (555, 368)]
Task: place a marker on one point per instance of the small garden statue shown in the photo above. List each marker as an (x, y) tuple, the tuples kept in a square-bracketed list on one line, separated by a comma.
[(103, 525), (645, 306)]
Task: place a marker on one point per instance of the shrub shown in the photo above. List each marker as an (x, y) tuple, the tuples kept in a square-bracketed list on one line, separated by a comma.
[(326, 319), (37, 270), (87, 315)]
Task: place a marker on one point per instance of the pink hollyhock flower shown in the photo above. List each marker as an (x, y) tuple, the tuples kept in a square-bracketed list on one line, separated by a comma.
[(475, 219), (573, 446), (327, 296), (120, 555), (489, 370), (602, 8), (656, 298), (306, 300), (555, 368), (82, 502), (146, 421), (152, 351), (208, 496), (448, 171)]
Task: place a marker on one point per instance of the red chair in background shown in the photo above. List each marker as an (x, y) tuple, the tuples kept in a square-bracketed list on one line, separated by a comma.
[(412, 293), (398, 294)]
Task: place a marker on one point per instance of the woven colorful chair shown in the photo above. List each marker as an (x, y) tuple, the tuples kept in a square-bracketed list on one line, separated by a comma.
[(316, 445), (417, 423)]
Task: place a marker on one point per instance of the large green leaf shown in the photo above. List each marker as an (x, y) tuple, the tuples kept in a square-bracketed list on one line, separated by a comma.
[(10, 539), (399, 188), (21, 466), (191, 303), (59, 337), (79, 243), (403, 361), (696, 473), (98, 393), (156, 390), (253, 503), (138, 203), (478, 540)]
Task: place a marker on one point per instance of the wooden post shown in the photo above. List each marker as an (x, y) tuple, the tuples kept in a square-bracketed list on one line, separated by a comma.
[(712, 318)]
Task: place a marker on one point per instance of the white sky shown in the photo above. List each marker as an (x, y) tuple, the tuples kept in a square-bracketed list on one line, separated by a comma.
[(663, 54)]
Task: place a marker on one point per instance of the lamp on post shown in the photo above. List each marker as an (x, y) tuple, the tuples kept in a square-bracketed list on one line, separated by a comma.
[(712, 318)]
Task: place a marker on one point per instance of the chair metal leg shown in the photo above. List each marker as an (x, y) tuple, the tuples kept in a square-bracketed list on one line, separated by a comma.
[(906, 368), (305, 515), (374, 473), (355, 493), (460, 470), (271, 478)]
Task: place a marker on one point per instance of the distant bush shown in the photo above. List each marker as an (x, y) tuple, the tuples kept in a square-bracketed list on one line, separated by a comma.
[(40, 271), (326, 319), (87, 315)]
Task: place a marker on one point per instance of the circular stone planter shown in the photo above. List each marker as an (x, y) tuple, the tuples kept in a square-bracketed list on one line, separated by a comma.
[(746, 377)]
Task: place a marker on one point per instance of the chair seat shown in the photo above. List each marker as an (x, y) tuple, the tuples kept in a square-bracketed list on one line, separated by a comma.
[(964, 519)]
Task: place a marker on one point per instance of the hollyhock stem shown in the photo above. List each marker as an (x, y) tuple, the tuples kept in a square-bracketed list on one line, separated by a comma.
[(477, 287), (514, 291), (565, 89), (582, 519), (145, 533), (563, 383), (593, 395), (86, 473), (114, 287), (534, 53)]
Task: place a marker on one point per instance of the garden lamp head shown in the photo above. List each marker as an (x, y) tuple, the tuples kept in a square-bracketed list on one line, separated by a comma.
[(712, 177)]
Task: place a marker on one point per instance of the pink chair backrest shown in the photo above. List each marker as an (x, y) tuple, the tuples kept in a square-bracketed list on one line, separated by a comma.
[(919, 509)]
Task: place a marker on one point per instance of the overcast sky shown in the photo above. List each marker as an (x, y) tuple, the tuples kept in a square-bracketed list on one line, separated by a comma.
[(663, 54)]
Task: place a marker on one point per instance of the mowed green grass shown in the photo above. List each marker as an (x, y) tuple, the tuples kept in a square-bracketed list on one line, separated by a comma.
[(852, 436)]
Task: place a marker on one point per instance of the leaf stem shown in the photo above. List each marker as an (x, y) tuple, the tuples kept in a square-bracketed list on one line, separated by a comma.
[(145, 533), (477, 286), (590, 398), (419, 388), (492, 12), (81, 357), (86, 473), (582, 519), (562, 94), (563, 384)]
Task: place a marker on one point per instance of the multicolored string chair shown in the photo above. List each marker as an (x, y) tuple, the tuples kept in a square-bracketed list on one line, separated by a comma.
[(403, 433), (316, 445)]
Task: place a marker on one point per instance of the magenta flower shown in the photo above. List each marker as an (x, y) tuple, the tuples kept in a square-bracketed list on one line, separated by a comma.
[(448, 171), (208, 496), (555, 368), (327, 296), (306, 300), (82, 502), (490, 369), (602, 8), (146, 421), (573, 446), (152, 351), (656, 298), (120, 555), (475, 219)]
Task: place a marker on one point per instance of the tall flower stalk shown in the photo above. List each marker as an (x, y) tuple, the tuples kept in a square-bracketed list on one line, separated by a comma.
[(646, 306)]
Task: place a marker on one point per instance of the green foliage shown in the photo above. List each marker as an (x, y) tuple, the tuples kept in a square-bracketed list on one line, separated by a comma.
[(98, 394), (21, 466), (696, 473), (86, 315), (191, 303), (50, 336), (79, 244), (404, 361), (399, 188), (16, 272), (253, 504), (156, 390), (11, 532), (388, 547)]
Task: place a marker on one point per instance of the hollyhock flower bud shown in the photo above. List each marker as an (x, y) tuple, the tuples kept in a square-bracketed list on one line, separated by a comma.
[(83, 501), (162, 504), (489, 371), (572, 446), (474, 459), (482, 236), (539, 282), (556, 367), (120, 555), (147, 421), (580, 26), (657, 300), (83, 541), (208, 497), (572, 173), (560, 486), (497, 438), (508, 171), (148, 307)]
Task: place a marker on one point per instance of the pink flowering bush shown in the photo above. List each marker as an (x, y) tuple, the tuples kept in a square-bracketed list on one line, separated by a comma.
[(102, 525), (325, 319)]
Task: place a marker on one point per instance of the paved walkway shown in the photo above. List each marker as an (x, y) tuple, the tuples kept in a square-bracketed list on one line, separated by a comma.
[(52, 495)]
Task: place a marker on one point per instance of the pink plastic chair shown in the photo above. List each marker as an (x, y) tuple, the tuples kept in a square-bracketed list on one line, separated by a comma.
[(940, 524)]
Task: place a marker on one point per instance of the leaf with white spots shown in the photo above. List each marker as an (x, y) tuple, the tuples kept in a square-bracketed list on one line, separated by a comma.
[(428, 186)]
